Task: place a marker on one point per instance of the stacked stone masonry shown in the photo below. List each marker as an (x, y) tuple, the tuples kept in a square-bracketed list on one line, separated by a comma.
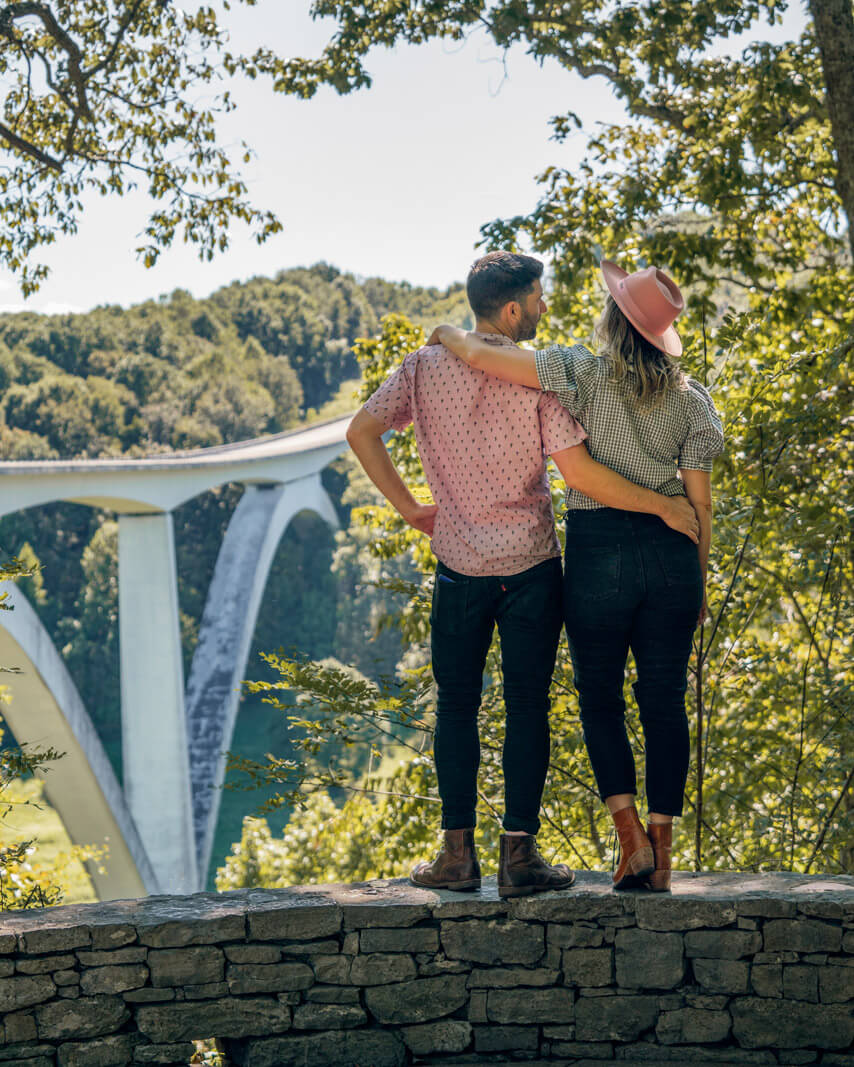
[(728, 969)]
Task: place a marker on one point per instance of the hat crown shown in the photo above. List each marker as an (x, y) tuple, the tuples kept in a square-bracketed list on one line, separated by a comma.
[(654, 298)]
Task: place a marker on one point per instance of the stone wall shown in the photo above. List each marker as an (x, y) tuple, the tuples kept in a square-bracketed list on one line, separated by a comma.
[(728, 969)]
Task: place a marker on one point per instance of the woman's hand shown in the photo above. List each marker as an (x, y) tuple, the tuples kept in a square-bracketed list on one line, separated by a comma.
[(704, 611), (457, 341)]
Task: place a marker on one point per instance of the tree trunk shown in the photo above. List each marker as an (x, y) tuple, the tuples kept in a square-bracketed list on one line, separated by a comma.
[(834, 29)]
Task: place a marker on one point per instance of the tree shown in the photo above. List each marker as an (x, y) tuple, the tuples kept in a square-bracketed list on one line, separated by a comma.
[(104, 96)]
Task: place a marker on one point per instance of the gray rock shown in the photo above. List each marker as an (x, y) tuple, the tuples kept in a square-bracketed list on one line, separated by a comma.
[(587, 967), (302, 919), (584, 1050), (384, 902), (316, 948), (722, 944), (16, 1052), (34, 1061), (417, 1001), (572, 935), (726, 1056), (206, 991), (539, 1006), (682, 913), (186, 966), (55, 939), (506, 1038), (335, 970), (614, 1018), (168, 1054), (344, 1048), (203, 931), (415, 939), (252, 953), (442, 966), (722, 976), (268, 977), (511, 977), (800, 983), (7, 968), (380, 969), (688, 1026), (493, 941), (449, 1035), (44, 965), (148, 995), (86, 1017), (645, 959), (101, 958), (8, 944), (802, 935), (707, 1003), (328, 1016), (331, 994), (115, 1051), (567, 906), (228, 1017), (24, 991), (836, 984), (113, 979), (112, 936), (477, 1008), (766, 979), (790, 1024), (20, 1027), (62, 978), (766, 907)]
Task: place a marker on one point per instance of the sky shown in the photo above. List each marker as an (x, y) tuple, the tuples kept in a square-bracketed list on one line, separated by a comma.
[(392, 181)]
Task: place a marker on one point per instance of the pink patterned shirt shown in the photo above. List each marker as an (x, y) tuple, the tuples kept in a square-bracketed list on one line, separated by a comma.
[(483, 444)]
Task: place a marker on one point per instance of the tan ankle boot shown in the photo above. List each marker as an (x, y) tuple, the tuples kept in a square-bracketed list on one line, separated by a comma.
[(661, 838), (522, 870), (455, 867), (636, 859)]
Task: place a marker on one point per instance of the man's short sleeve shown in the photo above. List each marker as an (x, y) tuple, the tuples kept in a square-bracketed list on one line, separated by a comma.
[(392, 402), (558, 428)]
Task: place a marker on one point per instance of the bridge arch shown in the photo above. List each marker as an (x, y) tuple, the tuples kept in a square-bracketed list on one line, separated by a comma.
[(165, 814)]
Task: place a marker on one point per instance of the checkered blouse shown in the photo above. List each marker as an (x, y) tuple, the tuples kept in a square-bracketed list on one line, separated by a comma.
[(645, 444)]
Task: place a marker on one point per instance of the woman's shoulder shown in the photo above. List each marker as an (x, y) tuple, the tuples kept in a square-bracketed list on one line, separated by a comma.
[(699, 404)]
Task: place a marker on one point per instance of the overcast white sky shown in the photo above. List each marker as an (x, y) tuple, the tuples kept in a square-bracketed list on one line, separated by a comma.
[(392, 181)]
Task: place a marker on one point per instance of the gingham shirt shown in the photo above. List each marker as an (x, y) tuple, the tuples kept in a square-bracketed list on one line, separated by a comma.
[(647, 445)]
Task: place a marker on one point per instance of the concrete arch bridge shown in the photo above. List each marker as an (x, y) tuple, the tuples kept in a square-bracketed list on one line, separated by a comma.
[(160, 825)]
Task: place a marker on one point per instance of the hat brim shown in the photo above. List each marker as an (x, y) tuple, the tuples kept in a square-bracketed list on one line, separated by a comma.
[(669, 341)]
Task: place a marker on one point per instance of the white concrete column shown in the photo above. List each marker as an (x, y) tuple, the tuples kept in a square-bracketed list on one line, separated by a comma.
[(154, 733)]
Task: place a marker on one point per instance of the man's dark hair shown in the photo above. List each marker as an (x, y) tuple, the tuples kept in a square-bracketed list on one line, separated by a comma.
[(499, 277)]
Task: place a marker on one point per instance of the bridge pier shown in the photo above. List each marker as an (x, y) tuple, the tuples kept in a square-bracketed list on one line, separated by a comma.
[(154, 733)]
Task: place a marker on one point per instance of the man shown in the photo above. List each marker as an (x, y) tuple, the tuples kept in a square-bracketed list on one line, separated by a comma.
[(483, 444)]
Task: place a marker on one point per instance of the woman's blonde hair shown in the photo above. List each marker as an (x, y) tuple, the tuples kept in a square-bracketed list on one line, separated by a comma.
[(649, 371)]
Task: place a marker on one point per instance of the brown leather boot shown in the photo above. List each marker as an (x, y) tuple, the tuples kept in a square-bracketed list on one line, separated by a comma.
[(455, 867), (661, 837), (636, 859), (522, 870)]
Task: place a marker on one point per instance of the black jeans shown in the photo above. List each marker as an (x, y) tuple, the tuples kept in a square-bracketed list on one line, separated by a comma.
[(528, 610), (630, 582)]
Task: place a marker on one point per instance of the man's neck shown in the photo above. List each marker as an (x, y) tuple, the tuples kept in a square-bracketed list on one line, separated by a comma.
[(485, 326)]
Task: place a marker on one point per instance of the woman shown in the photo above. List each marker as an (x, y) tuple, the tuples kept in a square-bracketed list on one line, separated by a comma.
[(630, 581)]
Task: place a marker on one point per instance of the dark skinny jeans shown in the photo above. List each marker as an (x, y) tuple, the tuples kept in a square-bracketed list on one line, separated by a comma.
[(528, 610), (630, 582)]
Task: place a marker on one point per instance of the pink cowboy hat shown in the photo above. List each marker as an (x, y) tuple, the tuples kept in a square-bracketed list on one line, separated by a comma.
[(650, 300)]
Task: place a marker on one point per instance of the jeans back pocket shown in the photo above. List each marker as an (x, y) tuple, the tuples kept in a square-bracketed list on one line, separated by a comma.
[(593, 573)]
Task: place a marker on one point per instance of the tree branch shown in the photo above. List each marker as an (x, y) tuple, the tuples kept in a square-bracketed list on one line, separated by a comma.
[(29, 149)]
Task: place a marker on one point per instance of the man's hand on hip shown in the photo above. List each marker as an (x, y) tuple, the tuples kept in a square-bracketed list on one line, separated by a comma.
[(422, 517)]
